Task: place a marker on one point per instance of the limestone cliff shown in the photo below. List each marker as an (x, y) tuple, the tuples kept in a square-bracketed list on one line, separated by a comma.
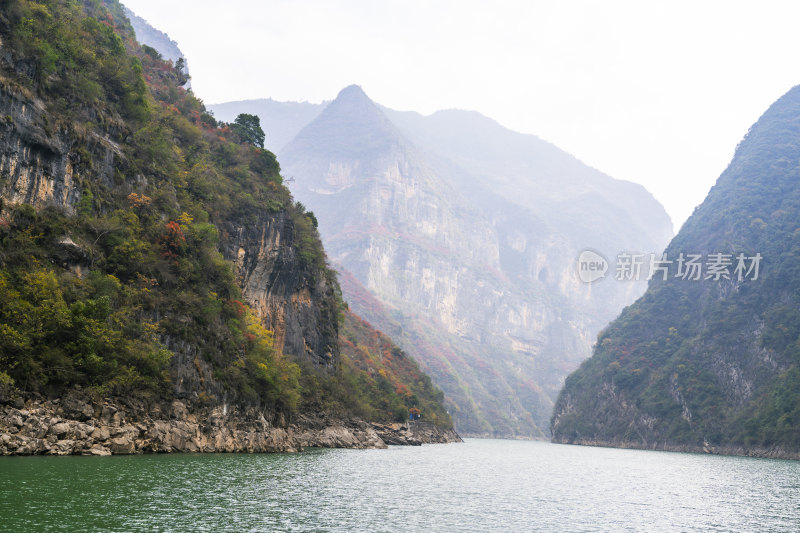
[(44, 162), (297, 303), (477, 282), (38, 164)]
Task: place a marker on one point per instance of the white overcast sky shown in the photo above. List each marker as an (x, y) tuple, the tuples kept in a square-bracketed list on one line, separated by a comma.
[(656, 92)]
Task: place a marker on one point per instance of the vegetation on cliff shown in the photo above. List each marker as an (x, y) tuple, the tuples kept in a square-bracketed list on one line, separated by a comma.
[(101, 293), (388, 381), (713, 361)]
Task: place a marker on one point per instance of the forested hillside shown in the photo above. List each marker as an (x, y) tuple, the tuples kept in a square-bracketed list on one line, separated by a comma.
[(147, 250), (708, 357)]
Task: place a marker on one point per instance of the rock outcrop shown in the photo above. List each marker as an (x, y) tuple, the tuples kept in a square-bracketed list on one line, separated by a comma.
[(37, 164), (71, 425), (297, 304), (415, 433)]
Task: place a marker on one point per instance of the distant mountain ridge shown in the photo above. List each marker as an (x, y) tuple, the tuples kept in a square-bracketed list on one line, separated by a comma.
[(281, 120), (474, 269), (710, 364), (157, 39), (519, 166)]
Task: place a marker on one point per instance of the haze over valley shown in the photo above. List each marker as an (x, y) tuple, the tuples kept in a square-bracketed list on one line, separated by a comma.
[(460, 239), (423, 266)]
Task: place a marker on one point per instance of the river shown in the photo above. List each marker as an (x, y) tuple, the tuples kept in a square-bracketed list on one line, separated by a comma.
[(480, 485)]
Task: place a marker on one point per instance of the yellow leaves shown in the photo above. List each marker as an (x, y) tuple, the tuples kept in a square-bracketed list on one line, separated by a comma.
[(42, 288), (185, 220), (262, 337), (137, 201), (182, 178), (39, 10), (11, 338), (145, 281), (151, 330), (672, 334)]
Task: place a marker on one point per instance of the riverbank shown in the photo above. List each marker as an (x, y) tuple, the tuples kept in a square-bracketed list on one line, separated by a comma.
[(72, 425), (739, 451)]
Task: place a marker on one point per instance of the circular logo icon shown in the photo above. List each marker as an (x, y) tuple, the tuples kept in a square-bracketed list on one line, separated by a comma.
[(591, 266)]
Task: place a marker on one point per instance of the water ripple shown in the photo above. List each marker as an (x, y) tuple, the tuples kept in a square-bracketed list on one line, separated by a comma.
[(482, 485)]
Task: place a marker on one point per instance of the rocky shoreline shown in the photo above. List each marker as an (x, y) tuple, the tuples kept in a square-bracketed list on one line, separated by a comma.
[(74, 426), (741, 451)]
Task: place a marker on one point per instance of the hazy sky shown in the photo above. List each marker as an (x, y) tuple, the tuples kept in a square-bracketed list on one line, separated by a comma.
[(656, 92)]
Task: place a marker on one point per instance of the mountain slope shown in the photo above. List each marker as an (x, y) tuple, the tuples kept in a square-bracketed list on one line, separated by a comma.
[(152, 264), (481, 289), (711, 363)]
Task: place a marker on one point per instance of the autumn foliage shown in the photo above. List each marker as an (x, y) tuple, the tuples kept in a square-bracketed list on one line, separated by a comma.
[(172, 241)]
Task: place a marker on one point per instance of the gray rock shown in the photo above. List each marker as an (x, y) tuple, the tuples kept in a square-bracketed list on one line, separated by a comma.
[(60, 429), (83, 431), (122, 446), (101, 433), (76, 409), (38, 430), (107, 415), (99, 450)]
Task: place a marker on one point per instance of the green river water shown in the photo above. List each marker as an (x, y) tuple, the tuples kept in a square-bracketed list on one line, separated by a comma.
[(480, 485)]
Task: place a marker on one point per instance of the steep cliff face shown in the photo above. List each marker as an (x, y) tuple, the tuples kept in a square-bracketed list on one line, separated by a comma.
[(481, 287), (36, 164), (297, 303), (707, 359)]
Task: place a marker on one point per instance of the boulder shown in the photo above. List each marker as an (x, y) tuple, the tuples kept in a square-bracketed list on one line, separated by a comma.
[(101, 433), (98, 449), (122, 445), (60, 429)]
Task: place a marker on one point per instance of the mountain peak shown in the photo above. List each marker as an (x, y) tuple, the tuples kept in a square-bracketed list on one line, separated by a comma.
[(353, 101), (351, 124), (352, 92)]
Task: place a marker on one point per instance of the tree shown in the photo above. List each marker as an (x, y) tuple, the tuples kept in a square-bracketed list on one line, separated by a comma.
[(248, 128)]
